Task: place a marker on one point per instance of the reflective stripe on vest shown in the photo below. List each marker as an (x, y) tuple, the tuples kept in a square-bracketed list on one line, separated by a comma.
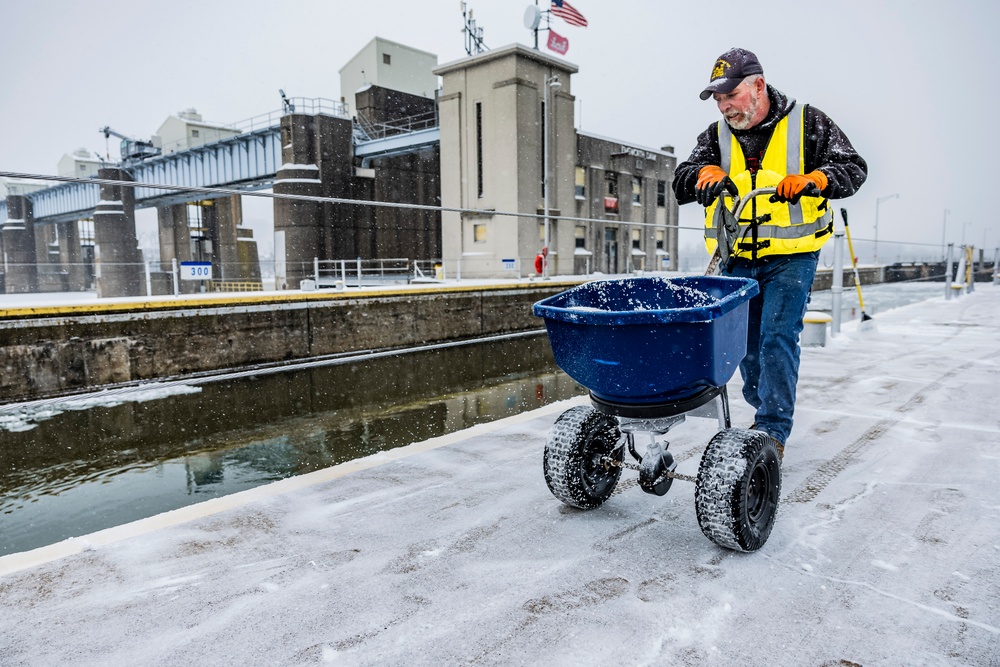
[(801, 227)]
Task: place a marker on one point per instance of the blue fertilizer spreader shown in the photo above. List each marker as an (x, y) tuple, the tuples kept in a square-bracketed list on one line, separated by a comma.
[(653, 351)]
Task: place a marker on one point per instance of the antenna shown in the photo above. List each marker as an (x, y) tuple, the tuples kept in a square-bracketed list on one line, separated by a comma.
[(473, 35), (286, 105), (532, 17)]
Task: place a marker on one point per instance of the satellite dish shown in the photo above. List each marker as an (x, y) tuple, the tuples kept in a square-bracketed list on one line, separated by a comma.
[(532, 16)]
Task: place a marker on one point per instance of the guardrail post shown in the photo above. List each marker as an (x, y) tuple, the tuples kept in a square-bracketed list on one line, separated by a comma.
[(960, 273), (996, 267), (343, 272), (316, 270), (970, 287), (175, 275), (838, 281), (359, 272), (948, 273), (149, 280)]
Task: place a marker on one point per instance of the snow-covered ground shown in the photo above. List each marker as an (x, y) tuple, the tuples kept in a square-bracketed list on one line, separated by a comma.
[(886, 549)]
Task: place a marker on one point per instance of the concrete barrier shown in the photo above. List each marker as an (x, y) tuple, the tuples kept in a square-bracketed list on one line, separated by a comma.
[(51, 351)]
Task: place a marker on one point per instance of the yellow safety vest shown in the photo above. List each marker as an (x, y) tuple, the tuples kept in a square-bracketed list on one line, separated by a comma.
[(782, 229)]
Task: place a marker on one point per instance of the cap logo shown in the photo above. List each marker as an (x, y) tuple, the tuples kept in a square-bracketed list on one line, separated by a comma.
[(720, 69)]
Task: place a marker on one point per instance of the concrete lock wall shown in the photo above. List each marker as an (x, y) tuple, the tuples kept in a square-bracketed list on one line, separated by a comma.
[(82, 348)]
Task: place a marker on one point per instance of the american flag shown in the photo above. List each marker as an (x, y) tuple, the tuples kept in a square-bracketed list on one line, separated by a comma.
[(568, 13)]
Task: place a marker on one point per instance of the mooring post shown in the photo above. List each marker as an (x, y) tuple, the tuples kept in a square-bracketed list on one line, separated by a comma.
[(948, 273), (838, 281)]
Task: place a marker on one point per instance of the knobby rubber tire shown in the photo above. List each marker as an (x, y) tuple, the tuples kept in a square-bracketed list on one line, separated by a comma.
[(577, 442), (739, 483)]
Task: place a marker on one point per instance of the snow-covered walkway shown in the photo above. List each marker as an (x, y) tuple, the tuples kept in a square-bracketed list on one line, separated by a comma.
[(886, 550)]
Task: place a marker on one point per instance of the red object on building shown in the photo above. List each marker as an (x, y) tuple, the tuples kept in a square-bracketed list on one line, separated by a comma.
[(611, 204), (540, 261), (558, 43)]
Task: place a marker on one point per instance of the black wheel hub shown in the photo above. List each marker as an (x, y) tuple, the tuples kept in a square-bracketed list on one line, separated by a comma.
[(758, 492), (596, 474)]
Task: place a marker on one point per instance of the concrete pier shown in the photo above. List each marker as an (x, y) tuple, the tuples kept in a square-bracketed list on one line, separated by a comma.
[(118, 260), (20, 270), (316, 157)]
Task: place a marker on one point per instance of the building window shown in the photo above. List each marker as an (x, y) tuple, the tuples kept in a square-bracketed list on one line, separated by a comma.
[(83, 167), (636, 190), (611, 193), (581, 236), (581, 183), (661, 194), (661, 237), (637, 239), (194, 216), (479, 148), (479, 232), (386, 59), (194, 133)]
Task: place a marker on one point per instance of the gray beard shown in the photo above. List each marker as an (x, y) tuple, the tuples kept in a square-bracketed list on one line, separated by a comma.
[(742, 121)]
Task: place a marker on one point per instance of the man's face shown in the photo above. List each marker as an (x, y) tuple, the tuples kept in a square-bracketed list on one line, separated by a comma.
[(739, 106)]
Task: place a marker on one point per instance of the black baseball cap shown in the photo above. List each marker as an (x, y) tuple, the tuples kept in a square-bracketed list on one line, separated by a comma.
[(731, 67)]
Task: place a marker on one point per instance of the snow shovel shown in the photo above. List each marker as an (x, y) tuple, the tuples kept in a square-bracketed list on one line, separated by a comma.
[(867, 323)]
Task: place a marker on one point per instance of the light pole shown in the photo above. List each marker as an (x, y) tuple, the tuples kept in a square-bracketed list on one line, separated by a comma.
[(944, 233), (550, 82), (877, 203), (964, 225)]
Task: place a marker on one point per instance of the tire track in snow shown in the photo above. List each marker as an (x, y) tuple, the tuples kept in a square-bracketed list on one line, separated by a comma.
[(821, 478)]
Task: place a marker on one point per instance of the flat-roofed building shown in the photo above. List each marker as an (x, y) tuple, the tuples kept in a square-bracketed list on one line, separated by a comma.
[(493, 117), (382, 62)]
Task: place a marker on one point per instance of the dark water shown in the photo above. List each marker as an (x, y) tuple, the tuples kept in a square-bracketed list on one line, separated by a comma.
[(82, 471)]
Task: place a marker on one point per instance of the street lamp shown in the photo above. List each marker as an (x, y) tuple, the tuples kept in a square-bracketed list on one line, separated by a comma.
[(964, 225), (877, 202), (944, 233), (550, 82)]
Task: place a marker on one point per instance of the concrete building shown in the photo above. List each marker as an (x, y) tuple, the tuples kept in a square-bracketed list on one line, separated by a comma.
[(186, 129), (493, 110), (389, 65), (81, 163)]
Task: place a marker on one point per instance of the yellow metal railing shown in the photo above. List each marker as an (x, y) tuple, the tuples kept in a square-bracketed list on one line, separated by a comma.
[(235, 286)]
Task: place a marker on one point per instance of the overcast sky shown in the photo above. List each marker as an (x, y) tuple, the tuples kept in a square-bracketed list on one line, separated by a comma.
[(907, 80)]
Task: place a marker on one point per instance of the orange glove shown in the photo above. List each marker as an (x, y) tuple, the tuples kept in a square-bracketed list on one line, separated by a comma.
[(712, 180), (793, 186)]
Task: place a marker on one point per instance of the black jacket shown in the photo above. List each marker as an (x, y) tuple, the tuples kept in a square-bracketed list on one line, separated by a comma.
[(827, 149)]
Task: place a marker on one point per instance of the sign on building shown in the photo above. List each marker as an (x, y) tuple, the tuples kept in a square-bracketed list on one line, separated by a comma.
[(196, 270)]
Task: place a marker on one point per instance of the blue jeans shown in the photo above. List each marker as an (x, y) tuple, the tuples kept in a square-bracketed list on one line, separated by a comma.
[(771, 368)]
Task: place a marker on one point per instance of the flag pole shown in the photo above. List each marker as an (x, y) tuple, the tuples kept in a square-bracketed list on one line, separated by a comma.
[(536, 30)]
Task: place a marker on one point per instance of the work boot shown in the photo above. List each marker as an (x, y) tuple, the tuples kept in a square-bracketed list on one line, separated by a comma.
[(778, 445)]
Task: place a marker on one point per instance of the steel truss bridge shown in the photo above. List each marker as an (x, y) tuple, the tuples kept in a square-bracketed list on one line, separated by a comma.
[(247, 161)]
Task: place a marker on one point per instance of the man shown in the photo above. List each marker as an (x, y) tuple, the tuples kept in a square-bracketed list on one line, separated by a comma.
[(766, 139)]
